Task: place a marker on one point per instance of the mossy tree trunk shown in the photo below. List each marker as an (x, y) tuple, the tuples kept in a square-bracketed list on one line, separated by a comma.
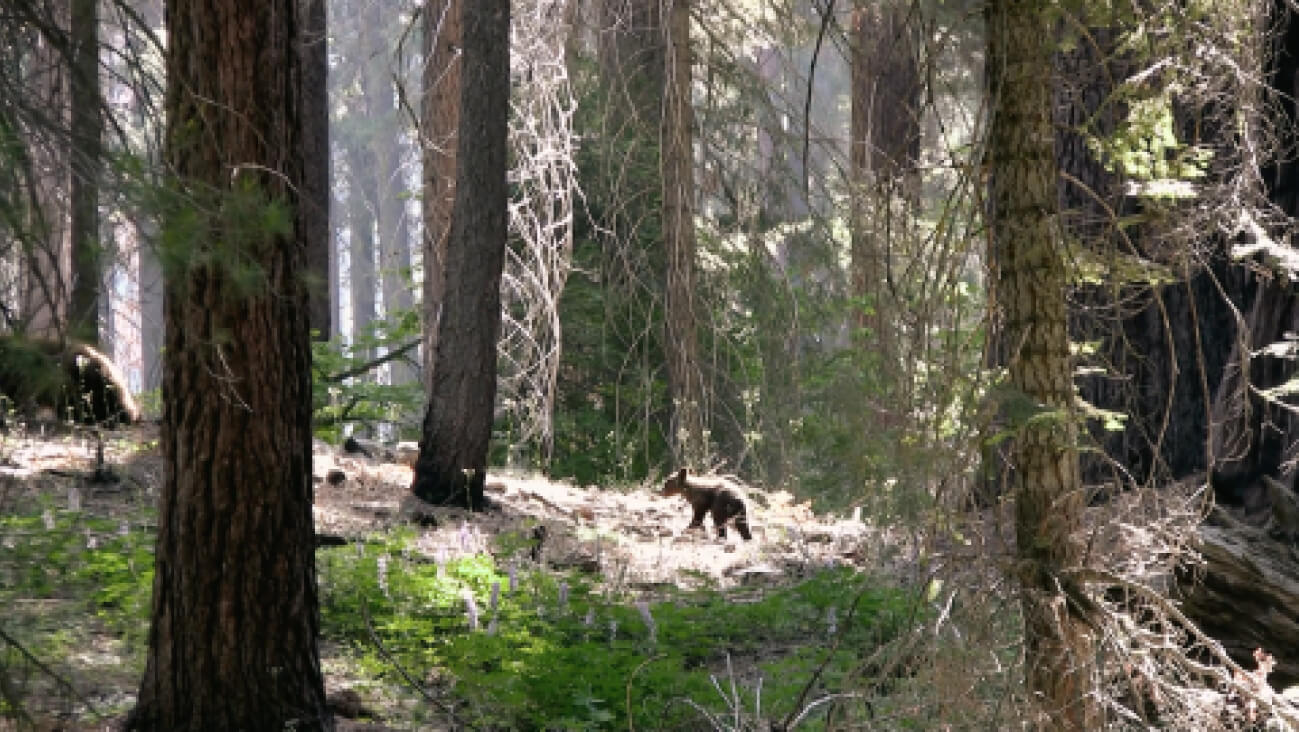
[(1029, 299)]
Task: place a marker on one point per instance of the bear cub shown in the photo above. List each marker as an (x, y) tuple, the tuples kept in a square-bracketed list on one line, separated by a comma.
[(718, 495)]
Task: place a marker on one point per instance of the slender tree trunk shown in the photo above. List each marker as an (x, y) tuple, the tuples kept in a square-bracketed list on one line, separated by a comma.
[(394, 240), (441, 111), (452, 462), (1029, 298), (151, 318), (232, 644), (87, 257), (361, 221), (685, 378), (387, 203)]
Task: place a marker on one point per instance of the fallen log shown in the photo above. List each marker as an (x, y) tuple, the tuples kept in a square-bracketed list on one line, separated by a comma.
[(1246, 593)]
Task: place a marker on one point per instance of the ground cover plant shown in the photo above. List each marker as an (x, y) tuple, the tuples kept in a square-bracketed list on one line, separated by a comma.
[(76, 589), (529, 649), (548, 644)]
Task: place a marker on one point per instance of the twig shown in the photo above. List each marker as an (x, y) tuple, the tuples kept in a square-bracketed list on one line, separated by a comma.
[(807, 688), (631, 722), (372, 364), (826, 16), (410, 680), (51, 673)]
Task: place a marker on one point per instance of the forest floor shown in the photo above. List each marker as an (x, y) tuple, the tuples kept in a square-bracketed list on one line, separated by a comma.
[(627, 540)]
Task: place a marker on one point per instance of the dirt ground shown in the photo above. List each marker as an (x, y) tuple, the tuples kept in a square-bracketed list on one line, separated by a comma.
[(634, 540)]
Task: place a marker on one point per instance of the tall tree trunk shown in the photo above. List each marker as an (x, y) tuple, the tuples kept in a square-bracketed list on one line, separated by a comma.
[(152, 320), (47, 248), (685, 379), (316, 193), (885, 145), (394, 239), (232, 644), (387, 203), (441, 112), (1029, 298), (452, 463), (361, 222), (1146, 363), (87, 257)]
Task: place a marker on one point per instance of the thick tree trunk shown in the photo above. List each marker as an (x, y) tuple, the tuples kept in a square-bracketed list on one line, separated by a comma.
[(457, 431), (1029, 298), (1246, 594), (316, 194), (441, 111), (1146, 363), (1251, 433), (685, 378), (47, 274), (232, 643)]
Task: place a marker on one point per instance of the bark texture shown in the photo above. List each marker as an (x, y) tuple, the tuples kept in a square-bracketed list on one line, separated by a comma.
[(314, 210), (232, 643), (681, 343), (1246, 594), (1251, 433), (83, 194), (441, 111), (47, 267), (1147, 362), (1029, 298), (457, 428), (885, 145)]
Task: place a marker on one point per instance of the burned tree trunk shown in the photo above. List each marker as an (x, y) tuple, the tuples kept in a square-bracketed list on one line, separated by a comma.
[(457, 429)]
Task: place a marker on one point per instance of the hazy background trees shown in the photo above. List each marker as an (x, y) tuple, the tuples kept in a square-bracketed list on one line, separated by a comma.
[(773, 239)]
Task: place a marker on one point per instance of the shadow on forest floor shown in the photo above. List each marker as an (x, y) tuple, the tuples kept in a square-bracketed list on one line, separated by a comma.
[(615, 583)]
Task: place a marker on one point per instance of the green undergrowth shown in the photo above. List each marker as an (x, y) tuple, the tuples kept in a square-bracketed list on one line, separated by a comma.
[(66, 555), (69, 583), (555, 652)]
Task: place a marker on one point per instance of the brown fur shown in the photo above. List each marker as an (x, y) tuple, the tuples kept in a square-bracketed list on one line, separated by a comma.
[(73, 379), (718, 495)]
